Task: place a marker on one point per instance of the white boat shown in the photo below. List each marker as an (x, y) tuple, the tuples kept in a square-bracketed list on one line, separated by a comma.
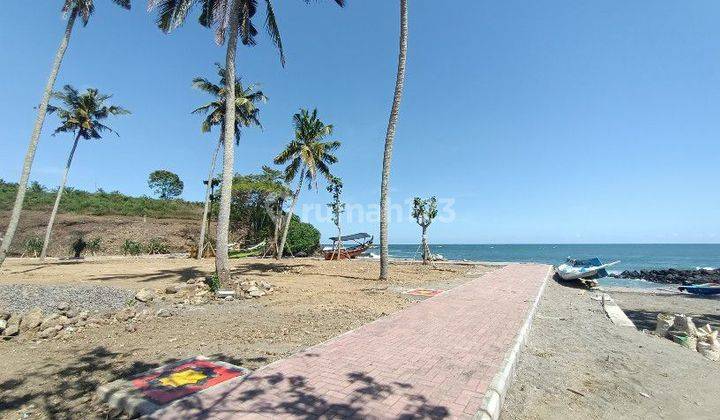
[(583, 269)]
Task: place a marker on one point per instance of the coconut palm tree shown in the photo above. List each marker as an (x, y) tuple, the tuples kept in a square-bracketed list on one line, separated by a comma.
[(307, 155), (246, 115), (72, 8), (389, 137), (231, 19), (81, 114)]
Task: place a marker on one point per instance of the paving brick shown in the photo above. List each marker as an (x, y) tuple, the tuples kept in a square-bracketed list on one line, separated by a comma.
[(433, 359)]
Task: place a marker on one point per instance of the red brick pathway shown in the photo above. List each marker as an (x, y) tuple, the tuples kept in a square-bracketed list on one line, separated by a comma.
[(432, 360)]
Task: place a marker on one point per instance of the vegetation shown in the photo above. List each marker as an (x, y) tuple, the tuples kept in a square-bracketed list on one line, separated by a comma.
[(99, 203), (131, 247), (389, 138), (94, 245), (165, 184), (213, 283), (233, 18), (337, 207), (424, 211), (78, 247), (81, 114), (157, 246), (306, 155), (253, 196), (72, 9), (246, 115), (303, 238), (33, 246)]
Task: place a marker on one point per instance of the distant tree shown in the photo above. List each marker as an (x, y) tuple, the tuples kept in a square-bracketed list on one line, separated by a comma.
[(246, 115), (424, 211), (307, 155), (81, 114), (165, 184), (389, 138), (72, 9), (232, 19), (337, 208)]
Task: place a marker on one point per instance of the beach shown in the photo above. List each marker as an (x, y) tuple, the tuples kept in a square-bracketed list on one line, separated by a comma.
[(578, 364)]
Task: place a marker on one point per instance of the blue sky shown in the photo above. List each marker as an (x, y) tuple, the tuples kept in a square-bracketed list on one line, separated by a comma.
[(553, 122)]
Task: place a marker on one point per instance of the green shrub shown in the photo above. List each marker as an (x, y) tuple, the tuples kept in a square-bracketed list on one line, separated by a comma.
[(157, 246), (94, 245), (213, 283), (132, 247), (78, 247), (33, 246), (302, 237)]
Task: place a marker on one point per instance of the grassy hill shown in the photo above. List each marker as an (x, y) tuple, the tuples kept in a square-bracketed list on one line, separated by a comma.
[(99, 203)]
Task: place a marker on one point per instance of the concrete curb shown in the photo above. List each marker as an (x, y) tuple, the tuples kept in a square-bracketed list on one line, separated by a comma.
[(495, 394)]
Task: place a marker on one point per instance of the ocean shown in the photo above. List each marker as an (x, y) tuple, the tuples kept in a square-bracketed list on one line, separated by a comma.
[(632, 256)]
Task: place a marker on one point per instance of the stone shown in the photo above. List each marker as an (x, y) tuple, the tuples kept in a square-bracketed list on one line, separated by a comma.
[(3, 324), (131, 328), (171, 290), (84, 315), (53, 321), (31, 320), (145, 295), (225, 293), (49, 332), (72, 313), (13, 326), (4, 315), (229, 298), (63, 306), (164, 313), (195, 280), (125, 314), (256, 293)]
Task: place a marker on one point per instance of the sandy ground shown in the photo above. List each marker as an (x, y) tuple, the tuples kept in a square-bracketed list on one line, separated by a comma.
[(314, 301), (579, 365)]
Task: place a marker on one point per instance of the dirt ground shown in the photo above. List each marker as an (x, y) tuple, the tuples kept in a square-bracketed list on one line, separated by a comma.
[(178, 234), (314, 301), (579, 365)]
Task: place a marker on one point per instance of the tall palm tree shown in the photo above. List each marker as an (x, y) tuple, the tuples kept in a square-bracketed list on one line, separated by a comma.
[(246, 115), (231, 18), (307, 155), (73, 9), (389, 137), (81, 114)]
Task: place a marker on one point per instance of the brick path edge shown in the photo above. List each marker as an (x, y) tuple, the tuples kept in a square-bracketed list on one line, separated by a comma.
[(495, 395)]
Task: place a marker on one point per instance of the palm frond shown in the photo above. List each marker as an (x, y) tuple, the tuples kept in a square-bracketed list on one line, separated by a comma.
[(273, 30)]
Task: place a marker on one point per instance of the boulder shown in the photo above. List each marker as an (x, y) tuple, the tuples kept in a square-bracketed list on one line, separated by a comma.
[(145, 295), (63, 306), (3, 324), (172, 289), (4, 315), (31, 320), (53, 321), (49, 332), (72, 313), (13, 326)]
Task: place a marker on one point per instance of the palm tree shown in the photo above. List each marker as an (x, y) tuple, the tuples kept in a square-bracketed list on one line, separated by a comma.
[(232, 18), (389, 137), (307, 155), (82, 115), (246, 114), (72, 8)]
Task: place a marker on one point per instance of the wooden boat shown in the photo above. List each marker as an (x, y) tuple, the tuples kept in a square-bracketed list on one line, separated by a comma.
[(361, 243), (706, 289), (583, 269)]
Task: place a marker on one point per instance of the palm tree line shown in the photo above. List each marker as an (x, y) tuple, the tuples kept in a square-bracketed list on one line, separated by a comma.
[(307, 155)]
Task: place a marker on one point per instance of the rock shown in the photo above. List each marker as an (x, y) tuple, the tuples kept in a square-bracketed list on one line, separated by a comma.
[(125, 314), (256, 293), (229, 298), (195, 280), (171, 290), (225, 293), (31, 320), (4, 315), (13, 326), (49, 332), (145, 295), (265, 285), (63, 306), (131, 328), (164, 313), (84, 315), (53, 321), (72, 313), (3, 324)]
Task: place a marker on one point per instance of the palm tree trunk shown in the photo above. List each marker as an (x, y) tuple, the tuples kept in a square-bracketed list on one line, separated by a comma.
[(286, 225), (426, 248), (339, 244), (30, 154), (206, 209), (389, 137), (222, 261), (48, 232)]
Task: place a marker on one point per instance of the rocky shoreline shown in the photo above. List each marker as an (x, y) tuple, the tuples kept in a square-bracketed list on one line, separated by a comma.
[(672, 276)]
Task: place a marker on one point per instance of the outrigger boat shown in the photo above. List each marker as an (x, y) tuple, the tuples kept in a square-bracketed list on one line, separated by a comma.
[(591, 268), (362, 242), (706, 289)]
